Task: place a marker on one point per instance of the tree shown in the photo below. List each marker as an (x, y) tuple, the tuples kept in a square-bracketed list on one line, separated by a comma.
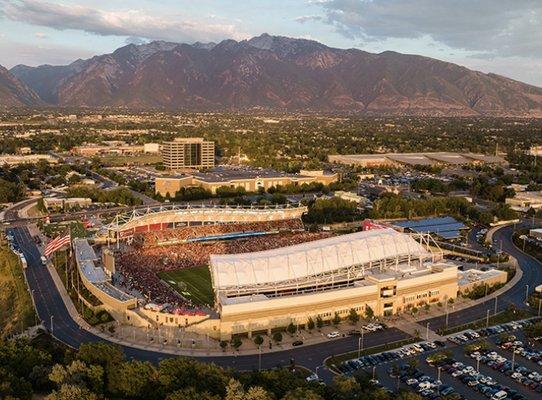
[(291, 328), (14, 387), (277, 337), (179, 373), (310, 324), (336, 319), (534, 330), (236, 342), (353, 316), (369, 313), (191, 394), (78, 373), (319, 322), (108, 356), (346, 388), (135, 380), (235, 391), (258, 340), (302, 394), (72, 392), (408, 396)]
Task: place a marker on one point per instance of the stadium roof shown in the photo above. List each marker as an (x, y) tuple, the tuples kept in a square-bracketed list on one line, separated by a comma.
[(312, 258)]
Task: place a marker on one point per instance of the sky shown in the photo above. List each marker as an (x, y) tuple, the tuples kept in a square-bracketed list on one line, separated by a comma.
[(499, 36)]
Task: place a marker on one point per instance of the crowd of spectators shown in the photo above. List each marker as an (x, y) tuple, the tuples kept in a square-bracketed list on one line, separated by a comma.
[(140, 264), (170, 236)]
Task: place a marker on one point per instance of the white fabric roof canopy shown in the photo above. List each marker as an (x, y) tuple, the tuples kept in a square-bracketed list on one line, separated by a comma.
[(312, 258)]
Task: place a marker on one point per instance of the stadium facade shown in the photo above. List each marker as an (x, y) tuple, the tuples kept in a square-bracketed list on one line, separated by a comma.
[(382, 269), (126, 225)]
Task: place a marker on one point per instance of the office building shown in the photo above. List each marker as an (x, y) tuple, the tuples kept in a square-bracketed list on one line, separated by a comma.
[(188, 153)]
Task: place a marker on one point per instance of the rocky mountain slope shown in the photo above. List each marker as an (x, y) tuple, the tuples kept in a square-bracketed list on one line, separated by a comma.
[(279, 73), (14, 93)]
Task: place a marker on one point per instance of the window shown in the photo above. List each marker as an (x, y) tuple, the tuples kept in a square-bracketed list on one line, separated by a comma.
[(408, 299)]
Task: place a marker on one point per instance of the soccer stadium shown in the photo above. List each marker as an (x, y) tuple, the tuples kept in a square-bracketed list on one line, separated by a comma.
[(221, 272)]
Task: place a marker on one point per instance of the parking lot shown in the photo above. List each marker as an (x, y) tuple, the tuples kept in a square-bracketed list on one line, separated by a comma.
[(491, 363)]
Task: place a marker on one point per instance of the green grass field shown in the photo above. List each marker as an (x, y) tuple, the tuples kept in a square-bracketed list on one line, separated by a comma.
[(193, 283), (16, 308)]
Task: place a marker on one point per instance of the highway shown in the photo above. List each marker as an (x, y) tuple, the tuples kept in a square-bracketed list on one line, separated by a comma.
[(50, 306)]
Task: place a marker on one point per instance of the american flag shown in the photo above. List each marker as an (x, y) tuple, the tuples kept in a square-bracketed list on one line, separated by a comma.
[(57, 243)]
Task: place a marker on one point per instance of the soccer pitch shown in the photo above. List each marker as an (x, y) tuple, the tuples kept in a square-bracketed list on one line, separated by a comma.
[(192, 283)]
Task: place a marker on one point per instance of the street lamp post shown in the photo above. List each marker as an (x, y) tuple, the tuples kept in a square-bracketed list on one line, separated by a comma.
[(487, 319), (478, 364), (260, 357), (52, 331), (496, 305), (427, 332), (526, 293), (513, 359), (360, 344)]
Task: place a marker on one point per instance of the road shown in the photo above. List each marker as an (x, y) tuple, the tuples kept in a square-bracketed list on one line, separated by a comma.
[(532, 276), (49, 305)]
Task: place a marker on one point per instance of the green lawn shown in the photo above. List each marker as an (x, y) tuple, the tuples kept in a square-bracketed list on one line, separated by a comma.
[(16, 308), (193, 283)]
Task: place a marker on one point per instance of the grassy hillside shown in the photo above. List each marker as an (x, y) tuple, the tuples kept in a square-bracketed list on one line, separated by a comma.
[(16, 308)]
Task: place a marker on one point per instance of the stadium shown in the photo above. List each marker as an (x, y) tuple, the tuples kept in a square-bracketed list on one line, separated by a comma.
[(228, 271)]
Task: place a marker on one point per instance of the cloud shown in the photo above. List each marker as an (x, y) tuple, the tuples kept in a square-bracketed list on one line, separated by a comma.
[(504, 28), (305, 18), (129, 22), (37, 53), (41, 35), (135, 40)]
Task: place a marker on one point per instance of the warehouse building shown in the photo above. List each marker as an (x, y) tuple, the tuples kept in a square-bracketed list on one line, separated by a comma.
[(412, 159)]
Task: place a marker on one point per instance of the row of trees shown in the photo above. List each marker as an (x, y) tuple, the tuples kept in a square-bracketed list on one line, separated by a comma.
[(119, 195), (394, 206), (100, 371)]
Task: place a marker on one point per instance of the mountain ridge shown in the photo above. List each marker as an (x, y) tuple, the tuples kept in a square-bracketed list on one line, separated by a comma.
[(281, 74)]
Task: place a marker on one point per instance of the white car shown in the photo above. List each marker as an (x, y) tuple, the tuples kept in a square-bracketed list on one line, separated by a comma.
[(333, 335)]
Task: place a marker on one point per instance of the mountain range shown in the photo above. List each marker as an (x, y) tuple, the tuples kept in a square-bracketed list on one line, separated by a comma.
[(269, 73)]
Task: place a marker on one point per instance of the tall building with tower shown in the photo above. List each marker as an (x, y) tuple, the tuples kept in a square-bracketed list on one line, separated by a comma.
[(188, 153)]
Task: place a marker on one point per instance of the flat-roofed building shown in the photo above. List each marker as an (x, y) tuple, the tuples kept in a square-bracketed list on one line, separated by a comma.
[(11, 159), (57, 203), (249, 179), (470, 279), (523, 201), (411, 159), (188, 153)]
